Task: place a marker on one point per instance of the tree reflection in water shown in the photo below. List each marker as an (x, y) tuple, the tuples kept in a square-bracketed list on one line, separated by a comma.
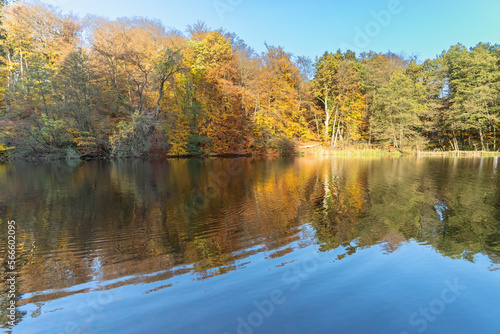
[(136, 222)]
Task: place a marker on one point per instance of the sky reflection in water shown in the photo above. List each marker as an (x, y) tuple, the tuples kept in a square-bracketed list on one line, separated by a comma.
[(392, 245)]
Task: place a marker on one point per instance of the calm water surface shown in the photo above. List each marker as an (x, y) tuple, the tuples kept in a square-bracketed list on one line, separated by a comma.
[(306, 245)]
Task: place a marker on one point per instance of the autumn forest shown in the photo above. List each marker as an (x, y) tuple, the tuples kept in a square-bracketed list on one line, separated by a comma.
[(98, 88)]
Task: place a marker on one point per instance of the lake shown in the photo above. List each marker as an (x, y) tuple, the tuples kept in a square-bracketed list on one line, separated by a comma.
[(291, 245)]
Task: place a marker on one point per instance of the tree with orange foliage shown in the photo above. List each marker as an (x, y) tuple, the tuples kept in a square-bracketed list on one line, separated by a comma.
[(214, 71)]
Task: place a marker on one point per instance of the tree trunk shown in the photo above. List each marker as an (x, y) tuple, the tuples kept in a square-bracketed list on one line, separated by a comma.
[(455, 141), (9, 83), (317, 123), (401, 137), (482, 139), (160, 95), (494, 138), (337, 133), (327, 120), (333, 127)]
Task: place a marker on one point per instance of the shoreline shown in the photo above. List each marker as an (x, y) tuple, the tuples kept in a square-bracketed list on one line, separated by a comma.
[(308, 152)]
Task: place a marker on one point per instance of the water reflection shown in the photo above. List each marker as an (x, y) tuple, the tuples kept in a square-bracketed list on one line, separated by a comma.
[(98, 226)]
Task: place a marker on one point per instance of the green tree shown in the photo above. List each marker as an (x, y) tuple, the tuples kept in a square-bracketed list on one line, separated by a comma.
[(433, 74), (398, 106), (349, 101), (337, 85), (377, 71), (38, 38), (474, 78), (324, 85)]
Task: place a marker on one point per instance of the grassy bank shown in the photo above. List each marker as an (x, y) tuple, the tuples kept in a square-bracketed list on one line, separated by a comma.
[(457, 153), (319, 150)]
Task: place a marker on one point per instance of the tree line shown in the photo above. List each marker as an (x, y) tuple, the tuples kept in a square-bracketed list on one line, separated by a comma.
[(95, 87)]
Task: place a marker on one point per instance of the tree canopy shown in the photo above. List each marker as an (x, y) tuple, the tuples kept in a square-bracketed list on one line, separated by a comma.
[(129, 87)]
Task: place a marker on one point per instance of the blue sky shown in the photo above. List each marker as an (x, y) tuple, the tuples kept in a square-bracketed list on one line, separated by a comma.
[(413, 27)]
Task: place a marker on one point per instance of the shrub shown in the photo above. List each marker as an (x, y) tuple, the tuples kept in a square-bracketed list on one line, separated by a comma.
[(72, 154), (133, 138)]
